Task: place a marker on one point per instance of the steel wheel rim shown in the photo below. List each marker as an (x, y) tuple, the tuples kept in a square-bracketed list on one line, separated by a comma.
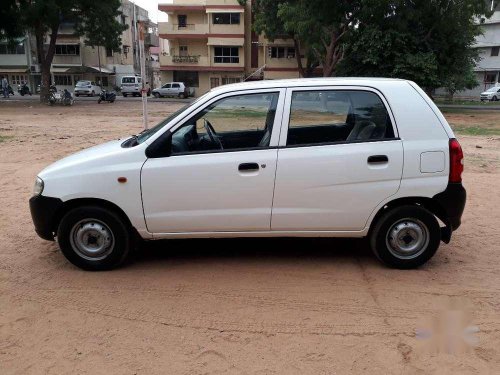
[(407, 238), (92, 239)]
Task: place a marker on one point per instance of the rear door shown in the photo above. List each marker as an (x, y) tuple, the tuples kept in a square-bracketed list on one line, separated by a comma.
[(339, 158)]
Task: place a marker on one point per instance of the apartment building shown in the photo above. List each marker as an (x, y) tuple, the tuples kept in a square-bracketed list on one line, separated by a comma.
[(73, 60), (15, 60), (211, 43)]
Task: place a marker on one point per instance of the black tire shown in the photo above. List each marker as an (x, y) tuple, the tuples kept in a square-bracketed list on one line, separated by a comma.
[(77, 95), (92, 94), (405, 217), (494, 99), (156, 95), (122, 240), (99, 101), (124, 95), (182, 95)]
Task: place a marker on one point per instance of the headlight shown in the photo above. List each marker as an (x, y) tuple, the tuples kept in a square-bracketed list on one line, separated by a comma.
[(38, 188)]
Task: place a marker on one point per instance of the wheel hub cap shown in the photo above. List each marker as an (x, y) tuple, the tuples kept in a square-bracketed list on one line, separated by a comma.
[(408, 238), (92, 239)]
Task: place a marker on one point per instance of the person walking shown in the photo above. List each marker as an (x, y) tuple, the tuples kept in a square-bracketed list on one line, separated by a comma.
[(5, 87)]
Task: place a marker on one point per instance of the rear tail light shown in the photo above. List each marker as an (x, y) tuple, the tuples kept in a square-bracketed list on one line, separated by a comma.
[(456, 161)]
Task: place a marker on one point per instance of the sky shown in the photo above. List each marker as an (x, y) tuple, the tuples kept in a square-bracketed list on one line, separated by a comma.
[(152, 7)]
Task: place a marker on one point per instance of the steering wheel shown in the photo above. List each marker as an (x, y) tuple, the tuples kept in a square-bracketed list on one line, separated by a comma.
[(212, 134)]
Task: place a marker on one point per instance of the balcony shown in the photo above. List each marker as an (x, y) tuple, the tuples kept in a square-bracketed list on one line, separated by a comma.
[(175, 31), (67, 60)]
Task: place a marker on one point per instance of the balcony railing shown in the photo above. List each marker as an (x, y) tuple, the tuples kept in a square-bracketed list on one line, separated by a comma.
[(185, 59), (179, 29)]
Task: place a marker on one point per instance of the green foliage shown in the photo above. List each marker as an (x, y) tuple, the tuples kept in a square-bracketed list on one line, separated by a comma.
[(9, 14), (427, 41)]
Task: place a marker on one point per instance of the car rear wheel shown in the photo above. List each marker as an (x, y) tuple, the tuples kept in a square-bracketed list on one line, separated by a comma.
[(406, 237), (94, 238)]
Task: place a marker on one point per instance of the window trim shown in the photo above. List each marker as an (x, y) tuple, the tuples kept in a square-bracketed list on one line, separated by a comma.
[(186, 117), (285, 122)]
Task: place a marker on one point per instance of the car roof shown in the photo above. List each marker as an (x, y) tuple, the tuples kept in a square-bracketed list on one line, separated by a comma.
[(298, 82)]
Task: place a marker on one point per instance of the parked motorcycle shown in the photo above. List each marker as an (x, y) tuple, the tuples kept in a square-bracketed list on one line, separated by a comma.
[(23, 89), (63, 97), (107, 96), (9, 88)]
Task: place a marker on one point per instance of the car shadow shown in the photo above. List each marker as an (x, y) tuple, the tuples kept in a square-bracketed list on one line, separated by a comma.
[(212, 250)]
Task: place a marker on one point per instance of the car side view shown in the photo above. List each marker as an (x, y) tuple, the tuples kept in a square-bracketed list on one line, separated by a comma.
[(344, 157)]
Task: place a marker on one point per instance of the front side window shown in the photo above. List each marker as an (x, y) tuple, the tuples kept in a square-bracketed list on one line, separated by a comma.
[(226, 55), (237, 122), (319, 117)]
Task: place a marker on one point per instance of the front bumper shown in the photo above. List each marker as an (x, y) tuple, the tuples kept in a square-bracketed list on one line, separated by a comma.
[(43, 213), (452, 200)]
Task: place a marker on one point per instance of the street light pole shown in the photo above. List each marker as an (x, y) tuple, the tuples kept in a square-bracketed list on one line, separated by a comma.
[(144, 90)]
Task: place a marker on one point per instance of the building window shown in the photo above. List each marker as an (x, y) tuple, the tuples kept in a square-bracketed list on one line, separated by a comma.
[(490, 77), (229, 80), (214, 82), (494, 51), (104, 81), (18, 79), (182, 20), (67, 49), (190, 79), (281, 52), (226, 18), (15, 49), (226, 55), (109, 52), (183, 50), (63, 80)]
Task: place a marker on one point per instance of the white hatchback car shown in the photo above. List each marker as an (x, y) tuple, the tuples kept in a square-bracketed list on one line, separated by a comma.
[(312, 157), (88, 88)]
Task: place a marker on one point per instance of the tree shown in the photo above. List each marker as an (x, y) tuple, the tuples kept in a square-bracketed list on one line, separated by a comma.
[(427, 41), (95, 20), (9, 26), (268, 23)]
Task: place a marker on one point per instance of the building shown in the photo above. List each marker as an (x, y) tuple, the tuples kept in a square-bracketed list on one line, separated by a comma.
[(16, 59), (74, 61), (207, 43)]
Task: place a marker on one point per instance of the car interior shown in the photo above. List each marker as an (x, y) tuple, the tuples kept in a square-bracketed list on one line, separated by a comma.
[(198, 134), (316, 118)]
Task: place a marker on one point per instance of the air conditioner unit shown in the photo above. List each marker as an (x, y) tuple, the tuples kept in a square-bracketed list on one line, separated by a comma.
[(35, 68)]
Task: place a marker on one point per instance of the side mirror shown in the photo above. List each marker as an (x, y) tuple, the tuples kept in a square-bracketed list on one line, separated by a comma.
[(161, 148)]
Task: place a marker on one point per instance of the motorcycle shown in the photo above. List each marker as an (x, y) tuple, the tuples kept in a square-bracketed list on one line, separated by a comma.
[(23, 89), (64, 97), (9, 90), (106, 96)]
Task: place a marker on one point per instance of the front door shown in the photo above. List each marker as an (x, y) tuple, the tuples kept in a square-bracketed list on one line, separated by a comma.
[(340, 157), (220, 174)]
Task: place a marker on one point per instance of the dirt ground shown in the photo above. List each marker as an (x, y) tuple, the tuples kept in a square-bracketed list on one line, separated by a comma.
[(280, 306)]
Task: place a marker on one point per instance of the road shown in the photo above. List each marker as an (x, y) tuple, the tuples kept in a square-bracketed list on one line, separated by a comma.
[(120, 98)]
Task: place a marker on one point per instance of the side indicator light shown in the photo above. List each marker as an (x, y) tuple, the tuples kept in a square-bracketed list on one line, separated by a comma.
[(122, 180)]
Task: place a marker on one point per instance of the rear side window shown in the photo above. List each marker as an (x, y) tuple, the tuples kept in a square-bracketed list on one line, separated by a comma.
[(175, 85), (318, 117)]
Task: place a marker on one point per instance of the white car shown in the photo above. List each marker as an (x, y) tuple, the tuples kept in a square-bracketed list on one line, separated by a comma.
[(88, 88), (492, 94), (312, 157), (176, 89)]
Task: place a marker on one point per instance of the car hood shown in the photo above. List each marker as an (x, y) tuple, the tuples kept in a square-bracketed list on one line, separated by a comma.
[(87, 157), (487, 93)]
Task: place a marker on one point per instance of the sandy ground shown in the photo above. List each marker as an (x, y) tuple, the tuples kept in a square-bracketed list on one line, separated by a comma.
[(276, 306)]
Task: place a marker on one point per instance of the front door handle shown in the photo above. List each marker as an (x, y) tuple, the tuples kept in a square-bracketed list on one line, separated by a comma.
[(377, 159), (248, 167)]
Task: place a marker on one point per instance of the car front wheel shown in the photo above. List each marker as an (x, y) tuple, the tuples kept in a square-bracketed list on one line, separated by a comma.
[(94, 238), (406, 237)]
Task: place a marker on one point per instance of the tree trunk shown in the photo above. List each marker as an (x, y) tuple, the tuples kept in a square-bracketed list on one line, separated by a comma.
[(298, 56), (45, 59)]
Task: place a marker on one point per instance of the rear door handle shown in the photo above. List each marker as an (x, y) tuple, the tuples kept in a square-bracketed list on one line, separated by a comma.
[(377, 159), (248, 167)]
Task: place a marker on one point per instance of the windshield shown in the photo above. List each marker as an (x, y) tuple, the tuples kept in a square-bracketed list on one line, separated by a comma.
[(150, 132), (493, 89), (83, 83)]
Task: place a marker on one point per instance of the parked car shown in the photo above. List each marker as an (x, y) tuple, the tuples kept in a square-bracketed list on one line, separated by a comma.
[(131, 85), (88, 88), (175, 89), (492, 94), (313, 157)]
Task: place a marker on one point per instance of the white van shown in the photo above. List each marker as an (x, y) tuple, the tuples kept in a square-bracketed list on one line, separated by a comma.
[(311, 158), (131, 85)]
